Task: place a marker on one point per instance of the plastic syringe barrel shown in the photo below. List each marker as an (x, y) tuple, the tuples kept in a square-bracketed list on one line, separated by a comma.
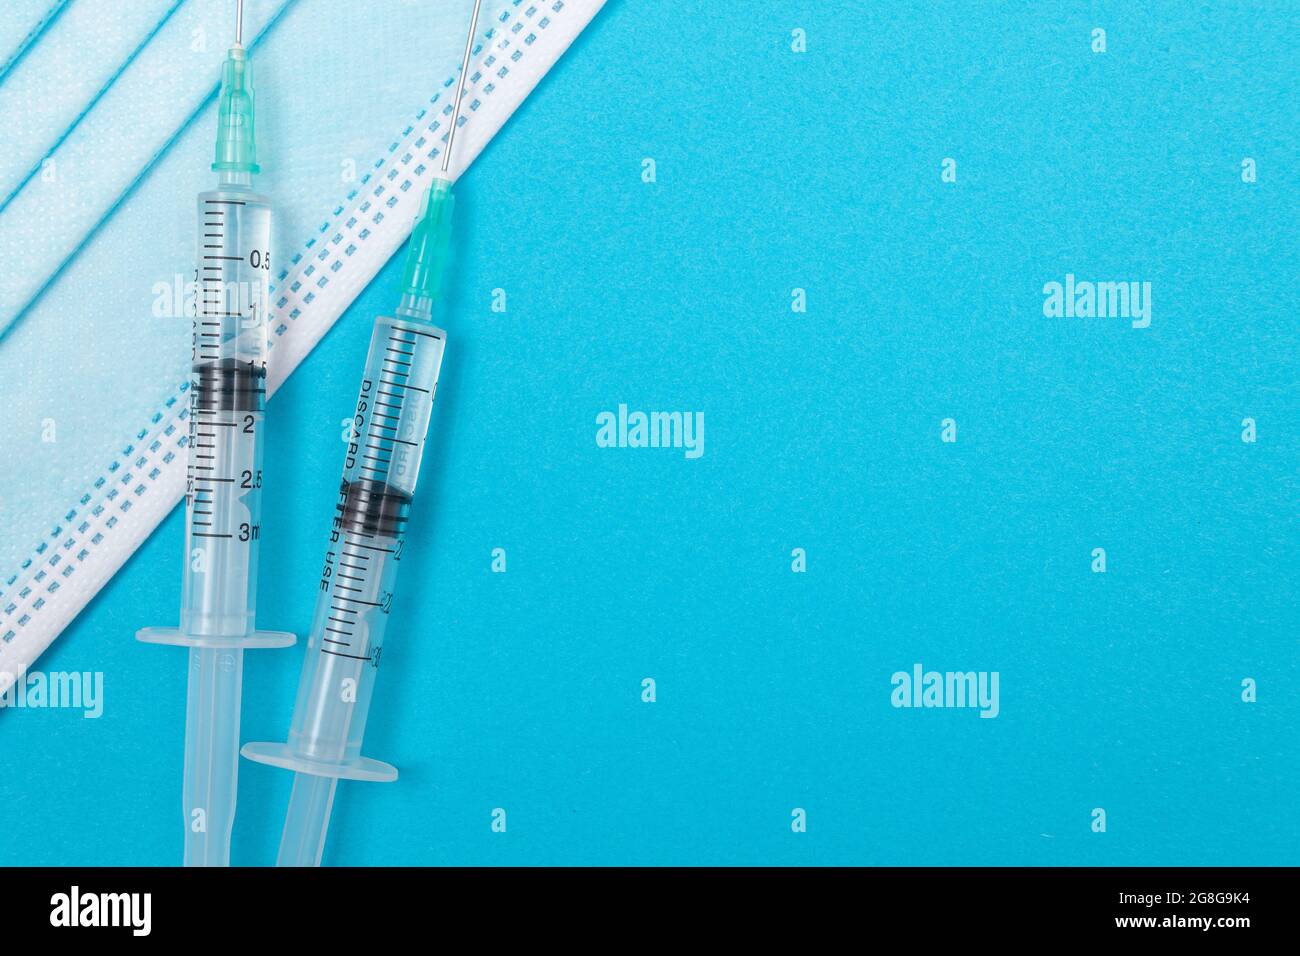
[(223, 494), (227, 411), (366, 541), (367, 537)]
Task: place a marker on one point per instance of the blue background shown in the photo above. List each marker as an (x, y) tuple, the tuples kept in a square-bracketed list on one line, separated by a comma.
[(820, 171)]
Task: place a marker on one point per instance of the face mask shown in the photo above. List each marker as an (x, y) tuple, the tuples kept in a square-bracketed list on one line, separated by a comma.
[(97, 232)]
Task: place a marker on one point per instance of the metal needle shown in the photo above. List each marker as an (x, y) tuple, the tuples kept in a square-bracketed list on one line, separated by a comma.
[(460, 86)]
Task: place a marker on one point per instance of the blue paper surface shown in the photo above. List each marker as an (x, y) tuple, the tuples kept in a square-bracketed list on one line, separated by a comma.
[(821, 171)]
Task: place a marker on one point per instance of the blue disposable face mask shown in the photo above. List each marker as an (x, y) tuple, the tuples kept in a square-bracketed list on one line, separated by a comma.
[(109, 117)]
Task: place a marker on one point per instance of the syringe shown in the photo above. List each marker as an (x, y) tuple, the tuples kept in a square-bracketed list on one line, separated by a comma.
[(368, 533), (224, 480)]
